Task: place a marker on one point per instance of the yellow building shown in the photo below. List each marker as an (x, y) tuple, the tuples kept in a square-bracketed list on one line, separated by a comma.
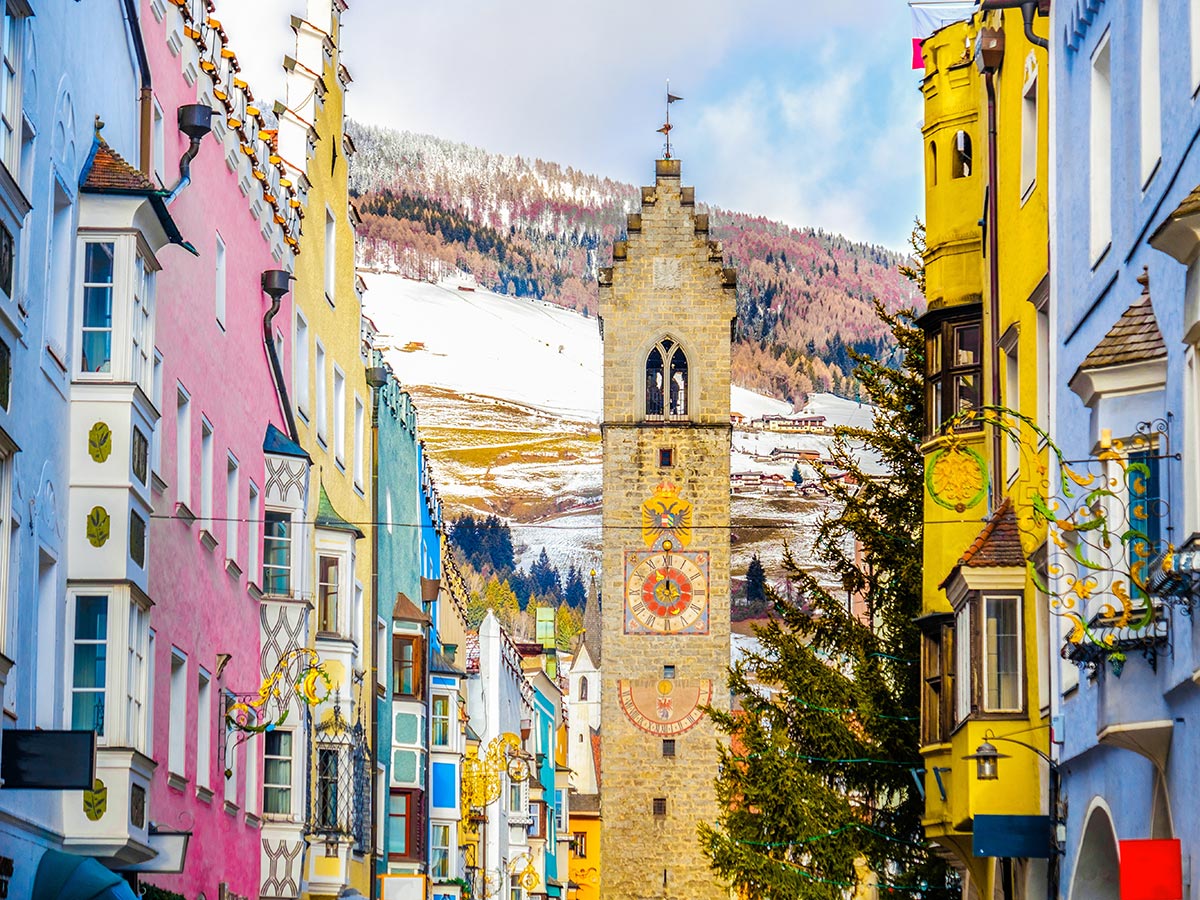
[(584, 867), (331, 402), (985, 668)]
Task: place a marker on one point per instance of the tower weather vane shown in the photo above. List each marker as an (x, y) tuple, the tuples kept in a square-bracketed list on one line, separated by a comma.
[(666, 129)]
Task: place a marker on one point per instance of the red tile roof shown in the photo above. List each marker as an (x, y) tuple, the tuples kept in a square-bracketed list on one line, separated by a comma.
[(107, 170), (999, 544)]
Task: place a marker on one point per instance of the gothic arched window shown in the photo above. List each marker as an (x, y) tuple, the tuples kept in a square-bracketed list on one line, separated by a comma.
[(583, 688), (666, 381)]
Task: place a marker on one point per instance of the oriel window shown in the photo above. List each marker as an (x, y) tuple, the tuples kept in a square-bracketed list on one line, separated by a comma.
[(953, 373)]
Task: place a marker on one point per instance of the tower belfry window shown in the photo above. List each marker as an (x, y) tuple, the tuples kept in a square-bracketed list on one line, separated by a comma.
[(666, 381)]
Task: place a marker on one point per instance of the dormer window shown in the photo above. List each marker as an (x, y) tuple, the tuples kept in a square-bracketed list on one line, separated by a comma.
[(666, 381), (116, 317)]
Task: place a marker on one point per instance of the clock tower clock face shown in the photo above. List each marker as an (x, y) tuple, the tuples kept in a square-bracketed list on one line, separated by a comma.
[(666, 591)]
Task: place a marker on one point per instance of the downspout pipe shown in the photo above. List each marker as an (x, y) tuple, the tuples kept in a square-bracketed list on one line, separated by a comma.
[(276, 283), (1029, 8), (991, 55), (145, 93), (195, 121)]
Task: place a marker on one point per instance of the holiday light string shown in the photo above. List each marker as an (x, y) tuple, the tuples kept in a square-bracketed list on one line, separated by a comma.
[(820, 837), (833, 882), (845, 710), (822, 759)]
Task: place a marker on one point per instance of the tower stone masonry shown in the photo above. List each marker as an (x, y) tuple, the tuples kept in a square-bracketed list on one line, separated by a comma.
[(666, 314)]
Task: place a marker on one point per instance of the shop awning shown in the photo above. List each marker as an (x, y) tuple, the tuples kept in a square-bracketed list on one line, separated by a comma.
[(65, 876)]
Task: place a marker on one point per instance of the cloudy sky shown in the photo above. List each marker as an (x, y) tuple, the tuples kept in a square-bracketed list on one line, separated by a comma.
[(798, 110)]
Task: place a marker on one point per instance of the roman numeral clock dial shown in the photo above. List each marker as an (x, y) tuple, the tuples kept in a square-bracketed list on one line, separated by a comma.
[(666, 591)]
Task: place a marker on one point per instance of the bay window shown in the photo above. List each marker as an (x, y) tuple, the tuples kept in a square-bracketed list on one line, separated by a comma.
[(439, 858), (404, 812), (937, 677), (405, 682), (277, 554), (328, 586), (953, 371), (1002, 654), (441, 720), (108, 686), (962, 665), (89, 663), (10, 89), (115, 321)]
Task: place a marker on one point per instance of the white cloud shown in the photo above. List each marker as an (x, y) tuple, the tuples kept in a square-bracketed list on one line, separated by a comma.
[(801, 111)]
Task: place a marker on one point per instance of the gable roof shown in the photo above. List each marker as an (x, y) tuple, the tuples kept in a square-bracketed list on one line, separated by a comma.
[(279, 444), (1133, 338), (106, 171), (327, 516), (406, 611), (997, 546)]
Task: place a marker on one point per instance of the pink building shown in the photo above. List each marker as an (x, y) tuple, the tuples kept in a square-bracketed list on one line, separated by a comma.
[(214, 383)]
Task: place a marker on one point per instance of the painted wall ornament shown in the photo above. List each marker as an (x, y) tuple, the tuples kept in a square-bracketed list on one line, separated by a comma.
[(1105, 520), (956, 476), (95, 801), (100, 442), (666, 514), (664, 707), (99, 526)]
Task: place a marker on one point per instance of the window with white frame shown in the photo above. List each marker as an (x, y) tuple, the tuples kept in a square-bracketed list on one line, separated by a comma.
[(137, 677), (330, 257), (207, 443), (96, 329), (142, 327), (204, 716), (516, 797), (232, 504), (277, 554), (156, 397), (1029, 130), (962, 664), (439, 858), (183, 446), (1150, 91), (328, 594), (441, 720), (253, 514), (560, 810), (10, 90), (1100, 150), (277, 772), (359, 426), (150, 672), (322, 377), (300, 364), (1002, 656), (1012, 399), (251, 801), (177, 739), (158, 143), (60, 279), (220, 280), (89, 669), (339, 416)]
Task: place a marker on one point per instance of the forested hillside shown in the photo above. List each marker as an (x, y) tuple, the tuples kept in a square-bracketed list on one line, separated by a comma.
[(538, 229)]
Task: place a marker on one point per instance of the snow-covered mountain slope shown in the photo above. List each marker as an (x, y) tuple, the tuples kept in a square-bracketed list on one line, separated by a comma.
[(460, 337)]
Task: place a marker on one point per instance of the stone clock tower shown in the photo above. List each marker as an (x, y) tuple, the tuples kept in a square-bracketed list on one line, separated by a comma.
[(666, 312)]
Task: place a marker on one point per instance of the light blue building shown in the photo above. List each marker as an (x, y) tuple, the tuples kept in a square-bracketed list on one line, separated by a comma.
[(1125, 303), (65, 66)]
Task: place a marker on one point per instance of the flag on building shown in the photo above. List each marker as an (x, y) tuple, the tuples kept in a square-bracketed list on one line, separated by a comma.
[(930, 15)]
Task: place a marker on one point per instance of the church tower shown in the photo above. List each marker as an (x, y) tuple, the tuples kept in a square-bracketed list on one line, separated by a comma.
[(666, 315)]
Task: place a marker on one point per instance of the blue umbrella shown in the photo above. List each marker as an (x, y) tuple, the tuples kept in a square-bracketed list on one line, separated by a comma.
[(65, 876)]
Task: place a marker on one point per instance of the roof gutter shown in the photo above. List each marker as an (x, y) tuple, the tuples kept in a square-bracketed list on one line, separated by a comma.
[(145, 94)]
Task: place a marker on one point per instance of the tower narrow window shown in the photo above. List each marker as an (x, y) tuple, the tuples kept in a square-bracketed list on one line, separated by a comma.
[(666, 381), (962, 155)]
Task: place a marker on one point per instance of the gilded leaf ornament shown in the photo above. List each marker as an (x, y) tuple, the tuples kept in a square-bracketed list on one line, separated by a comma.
[(98, 526), (100, 442)]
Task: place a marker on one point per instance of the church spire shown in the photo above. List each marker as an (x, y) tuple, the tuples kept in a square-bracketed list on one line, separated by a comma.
[(591, 621)]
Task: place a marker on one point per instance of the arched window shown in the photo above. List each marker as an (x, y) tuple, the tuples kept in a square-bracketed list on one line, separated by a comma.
[(583, 688), (666, 381), (962, 155), (933, 173)]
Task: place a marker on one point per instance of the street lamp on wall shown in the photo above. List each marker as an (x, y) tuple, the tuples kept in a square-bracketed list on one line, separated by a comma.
[(987, 757)]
